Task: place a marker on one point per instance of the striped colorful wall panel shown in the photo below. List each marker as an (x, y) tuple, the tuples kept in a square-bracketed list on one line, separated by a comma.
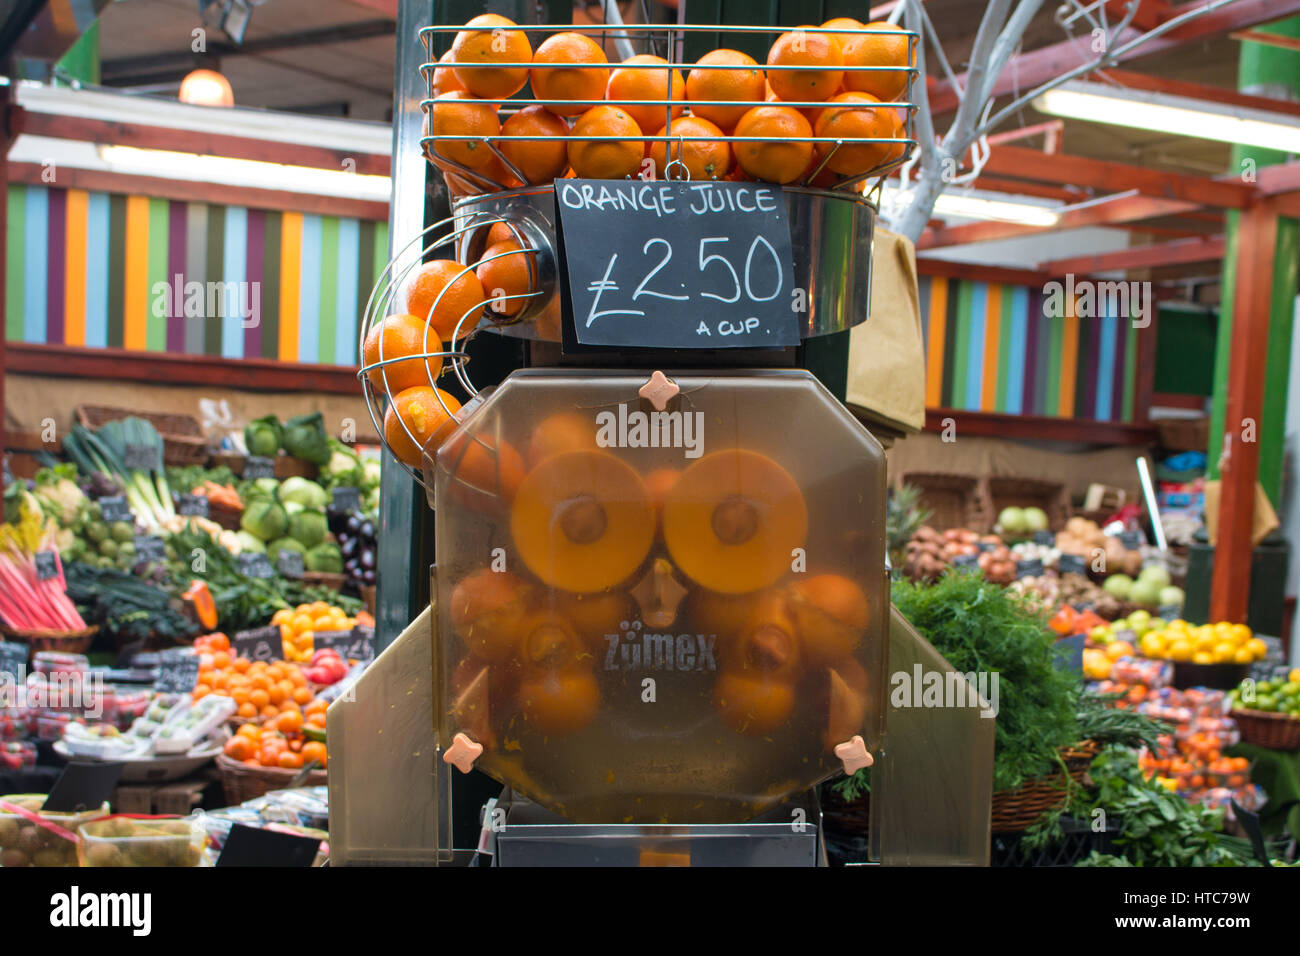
[(990, 348), (86, 269)]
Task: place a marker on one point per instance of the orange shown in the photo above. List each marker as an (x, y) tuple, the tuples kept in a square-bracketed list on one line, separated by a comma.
[(316, 719), (247, 711), (260, 682), (201, 690), (563, 431), (290, 722), (485, 472), (241, 664), (444, 77), (239, 747), (219, 642), (417, 417), (506, 271), (269, 711), (606, 159), (819, 62), (448, 116), (752, 704), (500, 231), (878, 50), (259, 698), (842, 23), (771, 158), (540, 160), (313, 751), (275, 695), (855, 123), (290, 761), (482, 43), (642, 77), (703, 160), (831, 614), (743, 82), (551, 81), (398, 337), (487, 612), (443, 292), (297, 678), (560, 702)]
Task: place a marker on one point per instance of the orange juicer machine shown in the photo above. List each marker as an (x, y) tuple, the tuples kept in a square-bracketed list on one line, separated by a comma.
[(659, 599)]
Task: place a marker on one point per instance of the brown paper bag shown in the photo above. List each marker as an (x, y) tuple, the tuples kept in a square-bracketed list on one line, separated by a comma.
[(886, 354), (1265, 517)]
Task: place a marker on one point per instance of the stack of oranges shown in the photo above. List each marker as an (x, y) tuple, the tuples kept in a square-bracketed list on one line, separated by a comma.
[(279, 743), (851, 72), (298, 626)]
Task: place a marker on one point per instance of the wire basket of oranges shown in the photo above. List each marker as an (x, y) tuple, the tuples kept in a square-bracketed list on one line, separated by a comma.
[(828, 108)]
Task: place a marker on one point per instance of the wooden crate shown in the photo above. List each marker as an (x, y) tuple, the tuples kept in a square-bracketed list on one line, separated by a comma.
[(1006, 492), (954, 501), (183, 439)]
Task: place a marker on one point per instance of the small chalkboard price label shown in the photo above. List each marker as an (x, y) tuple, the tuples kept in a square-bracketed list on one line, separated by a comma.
[(13, 660), (966, 561), (1130, 539), (260, 643), (254, 846), (149, 548), (254, 564), (678, 264), (1044, 538), (340, 641), (1169, 612), (346, 498), (289, 563), (83, 786), (47, 565), (362, 647), (1029, 568), (142, 458), (178, 673), (192, 506), (115, 508), (257, 466), (1072, 564)]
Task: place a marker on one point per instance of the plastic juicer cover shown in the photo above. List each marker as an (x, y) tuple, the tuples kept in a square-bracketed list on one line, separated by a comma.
[(649, 616)]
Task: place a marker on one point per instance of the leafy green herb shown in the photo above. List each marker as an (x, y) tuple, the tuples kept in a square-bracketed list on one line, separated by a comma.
[(983, 627)]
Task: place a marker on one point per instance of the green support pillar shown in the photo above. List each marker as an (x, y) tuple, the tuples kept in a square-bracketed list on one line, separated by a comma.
[(1264, 70)]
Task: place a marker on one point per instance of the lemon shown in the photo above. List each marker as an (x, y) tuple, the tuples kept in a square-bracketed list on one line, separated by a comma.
[(1242, 656), (1203, 657), (1153, 644), (1257, 647), (1180, 650), (1224, 652), (1205, 642)]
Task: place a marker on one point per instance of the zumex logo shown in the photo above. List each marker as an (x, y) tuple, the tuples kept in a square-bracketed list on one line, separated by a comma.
[(635, 650), (922, 688), (626, 429), (74, 910), (1089, 299)]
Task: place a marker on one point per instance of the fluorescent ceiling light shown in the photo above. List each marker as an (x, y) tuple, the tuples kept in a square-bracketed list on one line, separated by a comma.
[(982, 204), (245, 172), (1177, 115)]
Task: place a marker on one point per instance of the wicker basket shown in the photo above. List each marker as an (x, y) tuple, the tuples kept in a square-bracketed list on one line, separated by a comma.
[(1268, 730), (183, 440), (43, 639), (1017, 810), (325, 579), (228, 518), (1183, 434), (286, 466), (1004, 492), (954, 501), (241, 782)]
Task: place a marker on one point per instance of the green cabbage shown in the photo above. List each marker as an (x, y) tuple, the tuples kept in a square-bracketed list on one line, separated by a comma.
[(284, 544), (344, 469), (249, 542), (325, 557), (305, 438), (264, 519), (303, 492), (308, 527), (263, 436)]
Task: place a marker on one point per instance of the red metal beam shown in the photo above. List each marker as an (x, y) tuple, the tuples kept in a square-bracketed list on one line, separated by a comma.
[(1150, 13), (1239, 464), (1028, 70), (104, 132), (1143, 257), (1018, 187), (1279, 179), (1271, 39), (265, 375), (994, 425), (1109, 177), (1116, 212)]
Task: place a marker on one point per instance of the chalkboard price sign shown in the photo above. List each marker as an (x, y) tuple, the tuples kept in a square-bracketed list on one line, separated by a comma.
[(254, 564), (362, 647), (1044, 538), (260, 644), (177, 673), (255, 466), (1029, 568), (340, 641), (142, 458), (192, 505), (678, 264), (13, 660), (1131, 539), (346, 498), (289, 563), (115, 508), (47, 565), (1072, 564), (149, 548), (966, 561)]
